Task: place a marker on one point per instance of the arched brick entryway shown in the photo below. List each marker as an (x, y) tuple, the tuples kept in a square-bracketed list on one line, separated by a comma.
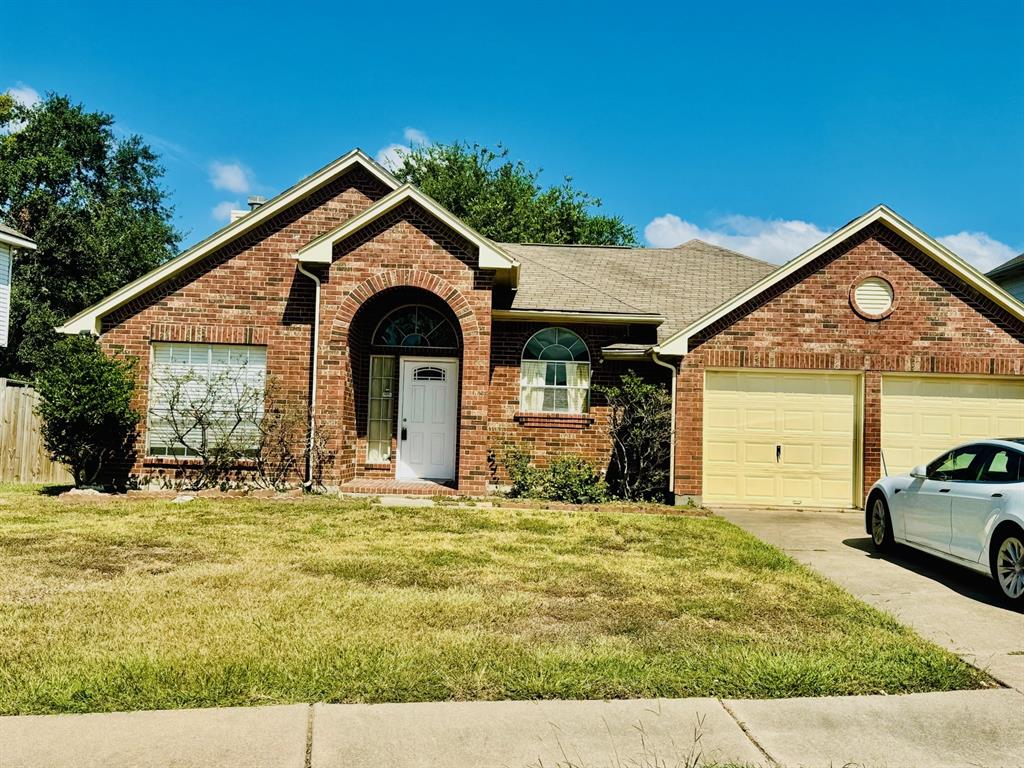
[(342, 371)]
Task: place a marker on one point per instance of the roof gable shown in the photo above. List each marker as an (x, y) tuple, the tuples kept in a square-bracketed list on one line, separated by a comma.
[(678, 344), (321, 250), (1008, 267), (89, 319)]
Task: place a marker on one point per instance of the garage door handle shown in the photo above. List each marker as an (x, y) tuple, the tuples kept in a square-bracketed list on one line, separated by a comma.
[(778, 453)]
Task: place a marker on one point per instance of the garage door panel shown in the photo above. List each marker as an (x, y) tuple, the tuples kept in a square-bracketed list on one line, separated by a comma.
[(811, 416), (922, 416)]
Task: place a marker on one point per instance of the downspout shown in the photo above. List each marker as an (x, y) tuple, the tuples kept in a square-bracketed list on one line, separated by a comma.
[(313, 373), (672, 443)]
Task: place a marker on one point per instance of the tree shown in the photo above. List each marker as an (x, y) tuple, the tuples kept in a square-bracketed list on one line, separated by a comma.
[(640, 427), (86, 407), (503, 199), (94, 206)]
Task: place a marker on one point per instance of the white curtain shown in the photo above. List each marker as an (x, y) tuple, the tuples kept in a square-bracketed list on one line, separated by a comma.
[(532, 380), (577, 377)]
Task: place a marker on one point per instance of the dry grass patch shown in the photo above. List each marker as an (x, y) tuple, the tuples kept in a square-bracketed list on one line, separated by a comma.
[(139, 604)]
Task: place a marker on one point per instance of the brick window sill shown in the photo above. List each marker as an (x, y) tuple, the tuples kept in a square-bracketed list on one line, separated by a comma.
[(555, 420), (377, 465), (170, 462)]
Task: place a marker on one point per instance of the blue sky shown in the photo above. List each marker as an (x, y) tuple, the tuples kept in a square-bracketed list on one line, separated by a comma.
[(759, 126)]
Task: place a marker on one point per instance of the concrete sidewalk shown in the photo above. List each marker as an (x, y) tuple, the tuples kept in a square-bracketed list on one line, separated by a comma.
[(966, 728)]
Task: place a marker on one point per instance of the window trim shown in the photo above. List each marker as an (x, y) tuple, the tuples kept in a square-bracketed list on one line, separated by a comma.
[(523, 385)]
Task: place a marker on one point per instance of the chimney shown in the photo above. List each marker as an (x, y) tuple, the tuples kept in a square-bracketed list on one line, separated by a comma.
[(255, 201)]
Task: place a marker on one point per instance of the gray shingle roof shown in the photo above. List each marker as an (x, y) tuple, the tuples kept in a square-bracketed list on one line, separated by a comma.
[(681, 283), (4, 229), (1017, 262)]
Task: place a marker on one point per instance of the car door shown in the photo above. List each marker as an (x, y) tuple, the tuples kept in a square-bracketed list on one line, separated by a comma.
[(928, 501), (976, 501), (926, 505)]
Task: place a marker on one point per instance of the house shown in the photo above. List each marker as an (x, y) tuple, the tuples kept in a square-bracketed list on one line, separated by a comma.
[(1010, 276), (424, 347), (11, 240)]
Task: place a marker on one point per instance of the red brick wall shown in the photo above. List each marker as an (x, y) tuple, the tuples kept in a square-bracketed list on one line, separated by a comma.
[(939, 325), (245, 293), (405, 249), (549, 435)]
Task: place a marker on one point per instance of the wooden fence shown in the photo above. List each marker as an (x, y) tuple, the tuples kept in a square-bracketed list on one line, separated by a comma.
[(23, 458)]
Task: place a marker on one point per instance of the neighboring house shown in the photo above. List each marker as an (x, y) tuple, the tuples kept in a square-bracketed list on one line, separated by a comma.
[(1010, 276), (426, 347), (11, 240)]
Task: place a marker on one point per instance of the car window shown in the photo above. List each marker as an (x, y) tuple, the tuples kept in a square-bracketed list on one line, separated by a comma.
[(962, 465), (1003, 466)]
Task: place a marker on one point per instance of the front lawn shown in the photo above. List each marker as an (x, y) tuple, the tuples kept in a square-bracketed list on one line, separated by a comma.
[(143, 604)]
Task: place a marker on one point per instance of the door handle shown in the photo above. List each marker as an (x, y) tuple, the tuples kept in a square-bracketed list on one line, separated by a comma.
[(405, 433), (997, 495), (943, 490), (778, 453)]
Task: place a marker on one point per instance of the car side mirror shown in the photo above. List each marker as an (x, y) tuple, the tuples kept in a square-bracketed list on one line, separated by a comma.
[(920, 472)]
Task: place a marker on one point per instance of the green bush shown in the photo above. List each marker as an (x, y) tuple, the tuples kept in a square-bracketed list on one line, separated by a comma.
[(524, 478), (572, 478), (86, 408), (569, 478)]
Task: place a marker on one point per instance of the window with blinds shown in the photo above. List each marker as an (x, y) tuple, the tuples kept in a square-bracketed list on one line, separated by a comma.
[(382, 376), (200, 393), (555, 373)]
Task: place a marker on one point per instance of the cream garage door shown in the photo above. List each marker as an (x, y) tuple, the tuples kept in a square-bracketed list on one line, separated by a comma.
[(922, 416), (780, 438)]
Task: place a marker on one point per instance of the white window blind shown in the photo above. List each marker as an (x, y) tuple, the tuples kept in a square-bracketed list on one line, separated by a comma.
[(5, 293), (199, 393)]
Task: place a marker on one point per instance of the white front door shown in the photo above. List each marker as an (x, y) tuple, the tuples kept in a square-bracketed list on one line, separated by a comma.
[(427, 416)]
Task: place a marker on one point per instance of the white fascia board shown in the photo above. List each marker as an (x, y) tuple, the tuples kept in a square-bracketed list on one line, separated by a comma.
[(562, 316), (679, 343), (90, 319), (17, 241), (321, 250)]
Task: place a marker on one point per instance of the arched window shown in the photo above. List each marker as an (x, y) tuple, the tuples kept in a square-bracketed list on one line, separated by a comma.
[(555, 373), (416, 325)]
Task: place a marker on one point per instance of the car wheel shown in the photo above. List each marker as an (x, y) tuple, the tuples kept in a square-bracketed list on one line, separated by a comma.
[(881, 524), (1008, 564)]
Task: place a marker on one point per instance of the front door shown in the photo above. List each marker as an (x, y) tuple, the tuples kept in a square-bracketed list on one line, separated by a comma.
[(427, 417)]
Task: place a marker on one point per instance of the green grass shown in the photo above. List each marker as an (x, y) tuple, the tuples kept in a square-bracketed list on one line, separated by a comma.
[(143, 604)]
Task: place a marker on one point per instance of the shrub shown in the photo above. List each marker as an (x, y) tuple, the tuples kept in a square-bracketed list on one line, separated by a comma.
[(568, 478), (640, 428), (572, 478), (86, 407), (524, 478)]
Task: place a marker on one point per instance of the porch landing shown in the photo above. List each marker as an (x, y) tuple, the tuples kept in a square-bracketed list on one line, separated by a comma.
[(392, 487)]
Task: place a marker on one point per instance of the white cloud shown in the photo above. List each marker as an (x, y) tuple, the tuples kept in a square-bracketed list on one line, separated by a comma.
[(778, 240), (392, 155), (980, 249), (774, 240), (231, 177), (25, 95), (222, 210)]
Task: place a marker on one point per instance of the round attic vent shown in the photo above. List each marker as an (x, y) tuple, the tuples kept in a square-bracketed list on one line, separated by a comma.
[(873, 297)]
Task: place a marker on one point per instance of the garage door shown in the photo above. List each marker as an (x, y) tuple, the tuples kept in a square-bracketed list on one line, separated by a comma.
[(922, 416), (780, 438)]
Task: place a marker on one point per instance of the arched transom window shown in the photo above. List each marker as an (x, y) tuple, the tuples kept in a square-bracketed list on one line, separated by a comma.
[(555, 373), (416, 326)]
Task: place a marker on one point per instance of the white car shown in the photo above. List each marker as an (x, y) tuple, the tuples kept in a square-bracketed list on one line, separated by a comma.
[(966, 506)]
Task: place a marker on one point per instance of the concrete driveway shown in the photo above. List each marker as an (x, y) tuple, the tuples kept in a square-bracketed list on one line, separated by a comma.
[(949, 605)]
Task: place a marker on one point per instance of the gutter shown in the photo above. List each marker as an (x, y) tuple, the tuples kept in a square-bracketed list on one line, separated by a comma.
[(672, 442), (313, 373)]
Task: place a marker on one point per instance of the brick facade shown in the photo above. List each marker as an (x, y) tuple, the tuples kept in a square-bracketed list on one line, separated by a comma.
[(550, 434), (806, 322)]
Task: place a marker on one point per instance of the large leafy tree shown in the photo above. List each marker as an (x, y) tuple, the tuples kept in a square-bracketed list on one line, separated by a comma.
[(504, 200), (93, 203)]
